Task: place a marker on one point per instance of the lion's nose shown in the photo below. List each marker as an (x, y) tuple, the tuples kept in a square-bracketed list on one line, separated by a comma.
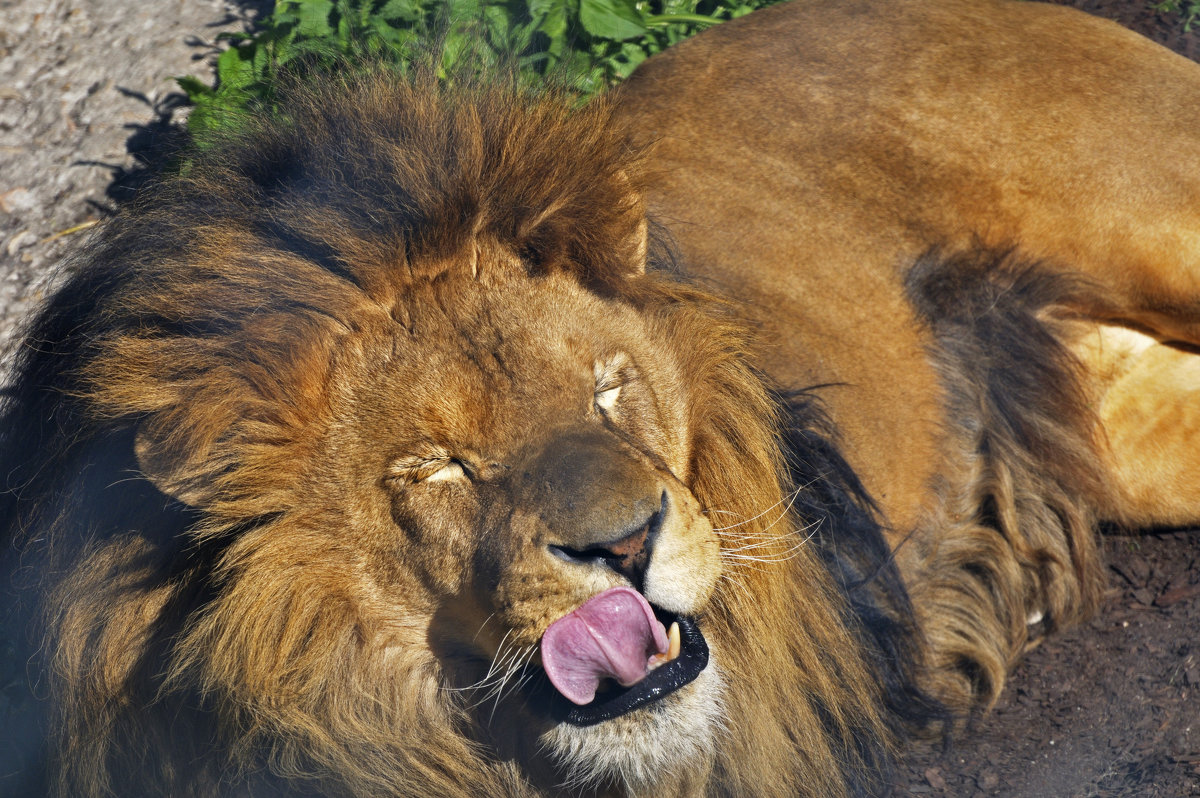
[(599, 502), (627, 553)]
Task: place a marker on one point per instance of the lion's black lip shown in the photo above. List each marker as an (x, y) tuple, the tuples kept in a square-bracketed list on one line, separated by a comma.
[(659, 683)]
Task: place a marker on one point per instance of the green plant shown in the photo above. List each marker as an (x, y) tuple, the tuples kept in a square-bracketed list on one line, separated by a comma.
[(587, 43), (1189, 10)]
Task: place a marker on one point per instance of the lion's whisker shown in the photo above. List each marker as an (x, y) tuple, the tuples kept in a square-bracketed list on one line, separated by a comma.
[(520, 667), (737, 556), (517, 664), (787, 500), (758, 543), (731, 578), (499, 650), (479, 631), (502, 653)]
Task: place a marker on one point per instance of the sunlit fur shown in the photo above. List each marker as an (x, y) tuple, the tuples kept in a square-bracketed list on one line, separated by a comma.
[(191, 458)]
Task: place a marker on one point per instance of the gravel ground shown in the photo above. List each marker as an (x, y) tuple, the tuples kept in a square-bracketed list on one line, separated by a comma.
[(1107, 709), (86, 94)]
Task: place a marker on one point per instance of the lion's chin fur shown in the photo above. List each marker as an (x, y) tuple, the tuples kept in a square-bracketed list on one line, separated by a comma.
[(655, 749)]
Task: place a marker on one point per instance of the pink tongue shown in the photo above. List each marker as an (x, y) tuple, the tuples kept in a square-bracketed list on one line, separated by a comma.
[(612, 635)]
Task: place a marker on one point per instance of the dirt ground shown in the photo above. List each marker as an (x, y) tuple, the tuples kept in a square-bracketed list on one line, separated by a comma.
[(1111, 708), (1106, 709)]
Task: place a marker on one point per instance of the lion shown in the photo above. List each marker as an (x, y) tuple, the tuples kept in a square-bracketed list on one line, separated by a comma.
[(706, 440)]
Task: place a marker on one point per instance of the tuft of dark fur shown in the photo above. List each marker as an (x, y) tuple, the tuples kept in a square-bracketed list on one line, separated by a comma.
[(844, 523), (1017, 536)]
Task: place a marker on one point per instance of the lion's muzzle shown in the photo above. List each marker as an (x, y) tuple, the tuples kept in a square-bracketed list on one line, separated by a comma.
[(619, 522), (604, 506), (601, 503)]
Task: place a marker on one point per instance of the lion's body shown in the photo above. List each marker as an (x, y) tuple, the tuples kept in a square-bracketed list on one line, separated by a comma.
[(323, 446), (955, 125), (958, 126)]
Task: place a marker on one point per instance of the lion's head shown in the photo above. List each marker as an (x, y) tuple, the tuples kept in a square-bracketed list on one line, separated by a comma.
[(379, 455)]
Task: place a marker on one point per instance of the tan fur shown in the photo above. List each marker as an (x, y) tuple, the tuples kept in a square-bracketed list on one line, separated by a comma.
[(1148, 398)]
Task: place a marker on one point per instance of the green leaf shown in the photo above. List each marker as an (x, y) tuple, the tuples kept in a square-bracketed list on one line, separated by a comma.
[(406, 10), (553, 16), (679, 7), (391, 35), (313, 18), (194, 88), (617, 20), (458, 11), (345, 32), (287, 12), (498, 23), (221, 110), (235, 67), (632, 55)]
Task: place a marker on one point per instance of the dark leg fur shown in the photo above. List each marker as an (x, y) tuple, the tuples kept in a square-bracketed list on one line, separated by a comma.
[(1012, 551)]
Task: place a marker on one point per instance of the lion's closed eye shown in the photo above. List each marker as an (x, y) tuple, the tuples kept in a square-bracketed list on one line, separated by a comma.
[(612, 374), (606, 399), (413, 470)]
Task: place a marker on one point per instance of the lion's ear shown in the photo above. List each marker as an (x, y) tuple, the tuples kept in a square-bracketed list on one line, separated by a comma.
[(639, 244), (601, 231), (636, 245)]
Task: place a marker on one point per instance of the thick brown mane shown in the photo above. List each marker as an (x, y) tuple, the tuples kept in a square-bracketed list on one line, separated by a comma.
[(280, 225), (164, 420)]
